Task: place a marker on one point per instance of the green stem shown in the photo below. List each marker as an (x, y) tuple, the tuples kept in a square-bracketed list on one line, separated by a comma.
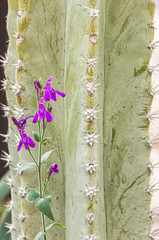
[(32, 157), (44, 131), (45, 185), (40, 182)]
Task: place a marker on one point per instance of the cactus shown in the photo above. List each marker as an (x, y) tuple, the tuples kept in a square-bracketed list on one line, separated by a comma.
[(99, 132)]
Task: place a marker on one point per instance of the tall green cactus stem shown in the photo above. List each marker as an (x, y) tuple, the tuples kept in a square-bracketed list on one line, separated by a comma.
[(10, 75), (41, 51), (82, 31), (126, 152), (121, 154)]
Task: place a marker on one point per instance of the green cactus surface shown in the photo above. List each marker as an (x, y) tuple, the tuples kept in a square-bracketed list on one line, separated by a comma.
[(99, 132)]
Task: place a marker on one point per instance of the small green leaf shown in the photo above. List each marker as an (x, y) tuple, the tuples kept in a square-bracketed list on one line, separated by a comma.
[(44, 139), (43, 205), (32, 195), (53, 224), (45, 156), (26, 166), (39, 235), (36, 137)]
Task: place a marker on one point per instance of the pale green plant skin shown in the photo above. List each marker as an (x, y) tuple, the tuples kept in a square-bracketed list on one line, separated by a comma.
[(122, 204), (51, 63), (126, 153)]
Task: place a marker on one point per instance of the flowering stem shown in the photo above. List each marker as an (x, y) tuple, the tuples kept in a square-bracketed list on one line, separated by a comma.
[(32, 157), (40, 181), (44, 130), (45, 185)]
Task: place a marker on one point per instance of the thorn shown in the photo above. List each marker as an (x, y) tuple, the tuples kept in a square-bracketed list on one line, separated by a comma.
[(153, 234), (22, 192), (16, 88), (154, 24), (154, 90), (151, 69), (21, 13), (16, 167), (91, 237), (151, 188), (6, 137), (93, 12), (91, 86), (21, 217), (91, 167), (91, 139), (21, 237), (153, 140), (152, 115), (7, 158), (18, 112), (4, 84), (9, 206), (90, 62), (9, 182), (19, 65), (91, 192), (154, 212), (151, 165), (19, 38), (4, 61), (6, 109), (152, 45), (10, 227), (90, 114)]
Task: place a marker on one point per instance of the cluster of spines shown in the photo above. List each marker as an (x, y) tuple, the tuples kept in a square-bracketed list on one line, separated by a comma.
[(18, 112), (152, 116), (90, 113)]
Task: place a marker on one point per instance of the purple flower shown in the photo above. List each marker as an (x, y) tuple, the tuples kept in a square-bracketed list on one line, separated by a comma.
[(52, 169), (27, 141), (37, 87), (21, 122), (42, 113), (50, 93)]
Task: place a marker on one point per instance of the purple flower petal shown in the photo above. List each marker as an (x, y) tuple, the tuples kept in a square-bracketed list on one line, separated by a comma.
[(27, 141), (49, 79), (52, 169), (46, 95), (48, 116), (41, 114), (37, 87), (35, 117), (53, 94), (20, 145), (60, 93), (30, 142), (26, 145), (15, 122)]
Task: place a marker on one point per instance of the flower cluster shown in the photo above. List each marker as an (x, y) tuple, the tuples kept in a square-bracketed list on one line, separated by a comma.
[(48, 94), (27, 141), (42, 113)]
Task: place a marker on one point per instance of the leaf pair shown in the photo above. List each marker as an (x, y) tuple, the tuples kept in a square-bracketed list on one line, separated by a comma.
[(43, 204), (38, 139), (30, 165)]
